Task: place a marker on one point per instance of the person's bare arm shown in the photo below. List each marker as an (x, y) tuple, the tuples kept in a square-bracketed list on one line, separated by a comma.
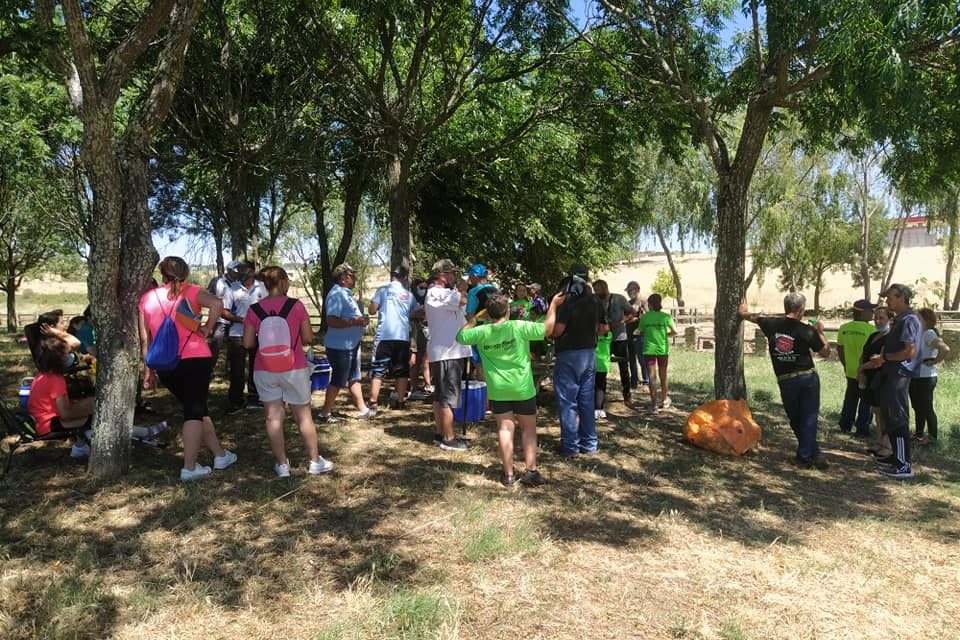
[(249, 337), (68, 409), (550, 322)]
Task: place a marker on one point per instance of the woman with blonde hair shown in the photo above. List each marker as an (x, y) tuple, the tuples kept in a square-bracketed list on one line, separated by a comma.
[(286, 381), (189, 381)]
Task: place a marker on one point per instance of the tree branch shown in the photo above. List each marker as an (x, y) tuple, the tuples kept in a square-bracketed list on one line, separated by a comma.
[(83, 56), (124, 56), (169, 71)]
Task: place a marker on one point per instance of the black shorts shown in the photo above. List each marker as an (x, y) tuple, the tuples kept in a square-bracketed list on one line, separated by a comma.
[(517, 407), (447, 376), (56, 425), (189, 383), (392, 356)]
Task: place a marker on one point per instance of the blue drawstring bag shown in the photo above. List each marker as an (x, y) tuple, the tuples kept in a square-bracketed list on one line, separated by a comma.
[(164, 351)]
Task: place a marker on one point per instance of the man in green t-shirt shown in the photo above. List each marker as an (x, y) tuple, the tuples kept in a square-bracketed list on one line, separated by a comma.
[(657, 327), (850, 340), (504, 347)]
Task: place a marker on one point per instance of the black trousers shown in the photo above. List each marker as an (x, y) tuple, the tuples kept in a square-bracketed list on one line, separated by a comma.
[(240, 360), (621, 354), (921, 398), (895, 405), (599, 389)]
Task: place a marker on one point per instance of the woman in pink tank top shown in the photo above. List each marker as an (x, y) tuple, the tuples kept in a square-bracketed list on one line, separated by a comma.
[(189, 382)]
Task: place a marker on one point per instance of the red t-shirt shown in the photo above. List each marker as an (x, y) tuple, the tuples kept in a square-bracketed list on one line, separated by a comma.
[(42, 405), (294, 319), (155, 305)]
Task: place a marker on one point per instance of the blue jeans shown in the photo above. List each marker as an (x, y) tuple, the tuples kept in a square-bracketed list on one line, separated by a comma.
[(638, 355), (801, 401), (573, 383), (855, 406)]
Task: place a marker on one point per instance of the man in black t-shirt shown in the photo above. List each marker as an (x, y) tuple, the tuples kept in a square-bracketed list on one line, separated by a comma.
[(792, 343), (579, 319)]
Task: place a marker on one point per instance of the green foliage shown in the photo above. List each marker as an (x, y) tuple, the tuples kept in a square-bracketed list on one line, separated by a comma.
[(663, 284)]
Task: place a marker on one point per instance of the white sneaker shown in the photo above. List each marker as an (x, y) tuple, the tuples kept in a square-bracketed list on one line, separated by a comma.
[(367, 413), (602, 414), (667, 402), (596, 414), (283, 470), (80, 450), (428, 389), (224, 461), (320, 465), (198, 471)]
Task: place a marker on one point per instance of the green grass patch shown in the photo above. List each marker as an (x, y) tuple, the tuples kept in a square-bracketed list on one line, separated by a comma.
[(732, 631), (403, 615)]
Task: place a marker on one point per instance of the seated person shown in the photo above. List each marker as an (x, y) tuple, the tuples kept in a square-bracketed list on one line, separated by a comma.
[(85, 332), (50, 404), (53, 324)]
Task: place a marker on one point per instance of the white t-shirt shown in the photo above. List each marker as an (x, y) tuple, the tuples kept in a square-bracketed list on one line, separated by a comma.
[(237, 300), (445, 318), (927, 350)]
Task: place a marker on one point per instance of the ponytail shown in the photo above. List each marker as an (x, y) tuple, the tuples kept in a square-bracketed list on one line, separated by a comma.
[(174, 271)]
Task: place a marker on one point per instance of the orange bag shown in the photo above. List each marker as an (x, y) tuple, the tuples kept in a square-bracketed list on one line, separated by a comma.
[(723, 426)]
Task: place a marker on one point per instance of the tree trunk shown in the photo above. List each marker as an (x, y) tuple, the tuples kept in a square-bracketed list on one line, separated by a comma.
[(216, 224), (733, 185), (398, 197), (122, 258), (730, 269), (11, 290), (865, 234), (953, 213), (894, 254), (673, 268)]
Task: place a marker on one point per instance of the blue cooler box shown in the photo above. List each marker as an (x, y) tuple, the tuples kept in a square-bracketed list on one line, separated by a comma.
[(473, 402), (320, 379), (24, 393)]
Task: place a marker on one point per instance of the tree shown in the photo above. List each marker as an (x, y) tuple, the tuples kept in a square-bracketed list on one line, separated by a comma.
[(665, 284), (120, 106), (416, 65), (815, 57), (34, 188)]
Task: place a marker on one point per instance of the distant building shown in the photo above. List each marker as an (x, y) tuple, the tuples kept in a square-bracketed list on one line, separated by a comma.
[(915, 234)]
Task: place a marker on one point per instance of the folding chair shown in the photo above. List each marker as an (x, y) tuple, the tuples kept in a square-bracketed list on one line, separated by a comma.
[(17, 422)]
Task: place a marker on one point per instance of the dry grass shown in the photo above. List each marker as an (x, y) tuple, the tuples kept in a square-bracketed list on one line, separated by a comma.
[(650, 539)]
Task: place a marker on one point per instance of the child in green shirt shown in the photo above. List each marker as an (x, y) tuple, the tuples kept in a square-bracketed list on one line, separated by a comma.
[(504, 347), (657, 327), (600, 379)]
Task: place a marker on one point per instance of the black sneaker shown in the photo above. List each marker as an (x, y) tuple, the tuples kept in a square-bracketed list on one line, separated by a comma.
[(888, 461), (507, 480), (454, 445), (532, 478), (567, 454), (253, 405), (327, 418), (437, 439), (901, 471)]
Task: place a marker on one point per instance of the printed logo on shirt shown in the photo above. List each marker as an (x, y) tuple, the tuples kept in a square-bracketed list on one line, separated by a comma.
[(783, 343)]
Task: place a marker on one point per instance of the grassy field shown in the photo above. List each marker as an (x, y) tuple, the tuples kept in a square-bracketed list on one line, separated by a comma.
[(649, 539)]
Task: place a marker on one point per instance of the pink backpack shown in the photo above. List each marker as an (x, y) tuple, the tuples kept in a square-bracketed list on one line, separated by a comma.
[(275, 344)]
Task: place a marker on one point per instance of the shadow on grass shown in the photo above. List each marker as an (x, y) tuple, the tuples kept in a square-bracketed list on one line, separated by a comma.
[(244, 534)]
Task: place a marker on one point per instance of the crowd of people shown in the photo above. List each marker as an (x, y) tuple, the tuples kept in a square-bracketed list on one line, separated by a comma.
[(890, 365), (446, 328)]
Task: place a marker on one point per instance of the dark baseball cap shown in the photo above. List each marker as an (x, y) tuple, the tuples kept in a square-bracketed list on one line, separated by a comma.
[(578, 269), (863, 305), (633, 284)]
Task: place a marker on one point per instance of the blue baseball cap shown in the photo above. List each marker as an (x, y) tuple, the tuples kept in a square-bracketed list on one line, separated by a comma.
[(477, 270)]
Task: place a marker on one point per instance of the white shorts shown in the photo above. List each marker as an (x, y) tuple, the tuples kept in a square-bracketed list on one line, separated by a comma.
[(293, 387)]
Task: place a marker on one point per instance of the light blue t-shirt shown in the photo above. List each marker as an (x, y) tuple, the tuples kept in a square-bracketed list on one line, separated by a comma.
[(473, 297), (340, 303), (393, 318)]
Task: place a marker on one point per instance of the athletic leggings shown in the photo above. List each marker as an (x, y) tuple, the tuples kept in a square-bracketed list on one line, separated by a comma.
[(921, 399), (600, 389)]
